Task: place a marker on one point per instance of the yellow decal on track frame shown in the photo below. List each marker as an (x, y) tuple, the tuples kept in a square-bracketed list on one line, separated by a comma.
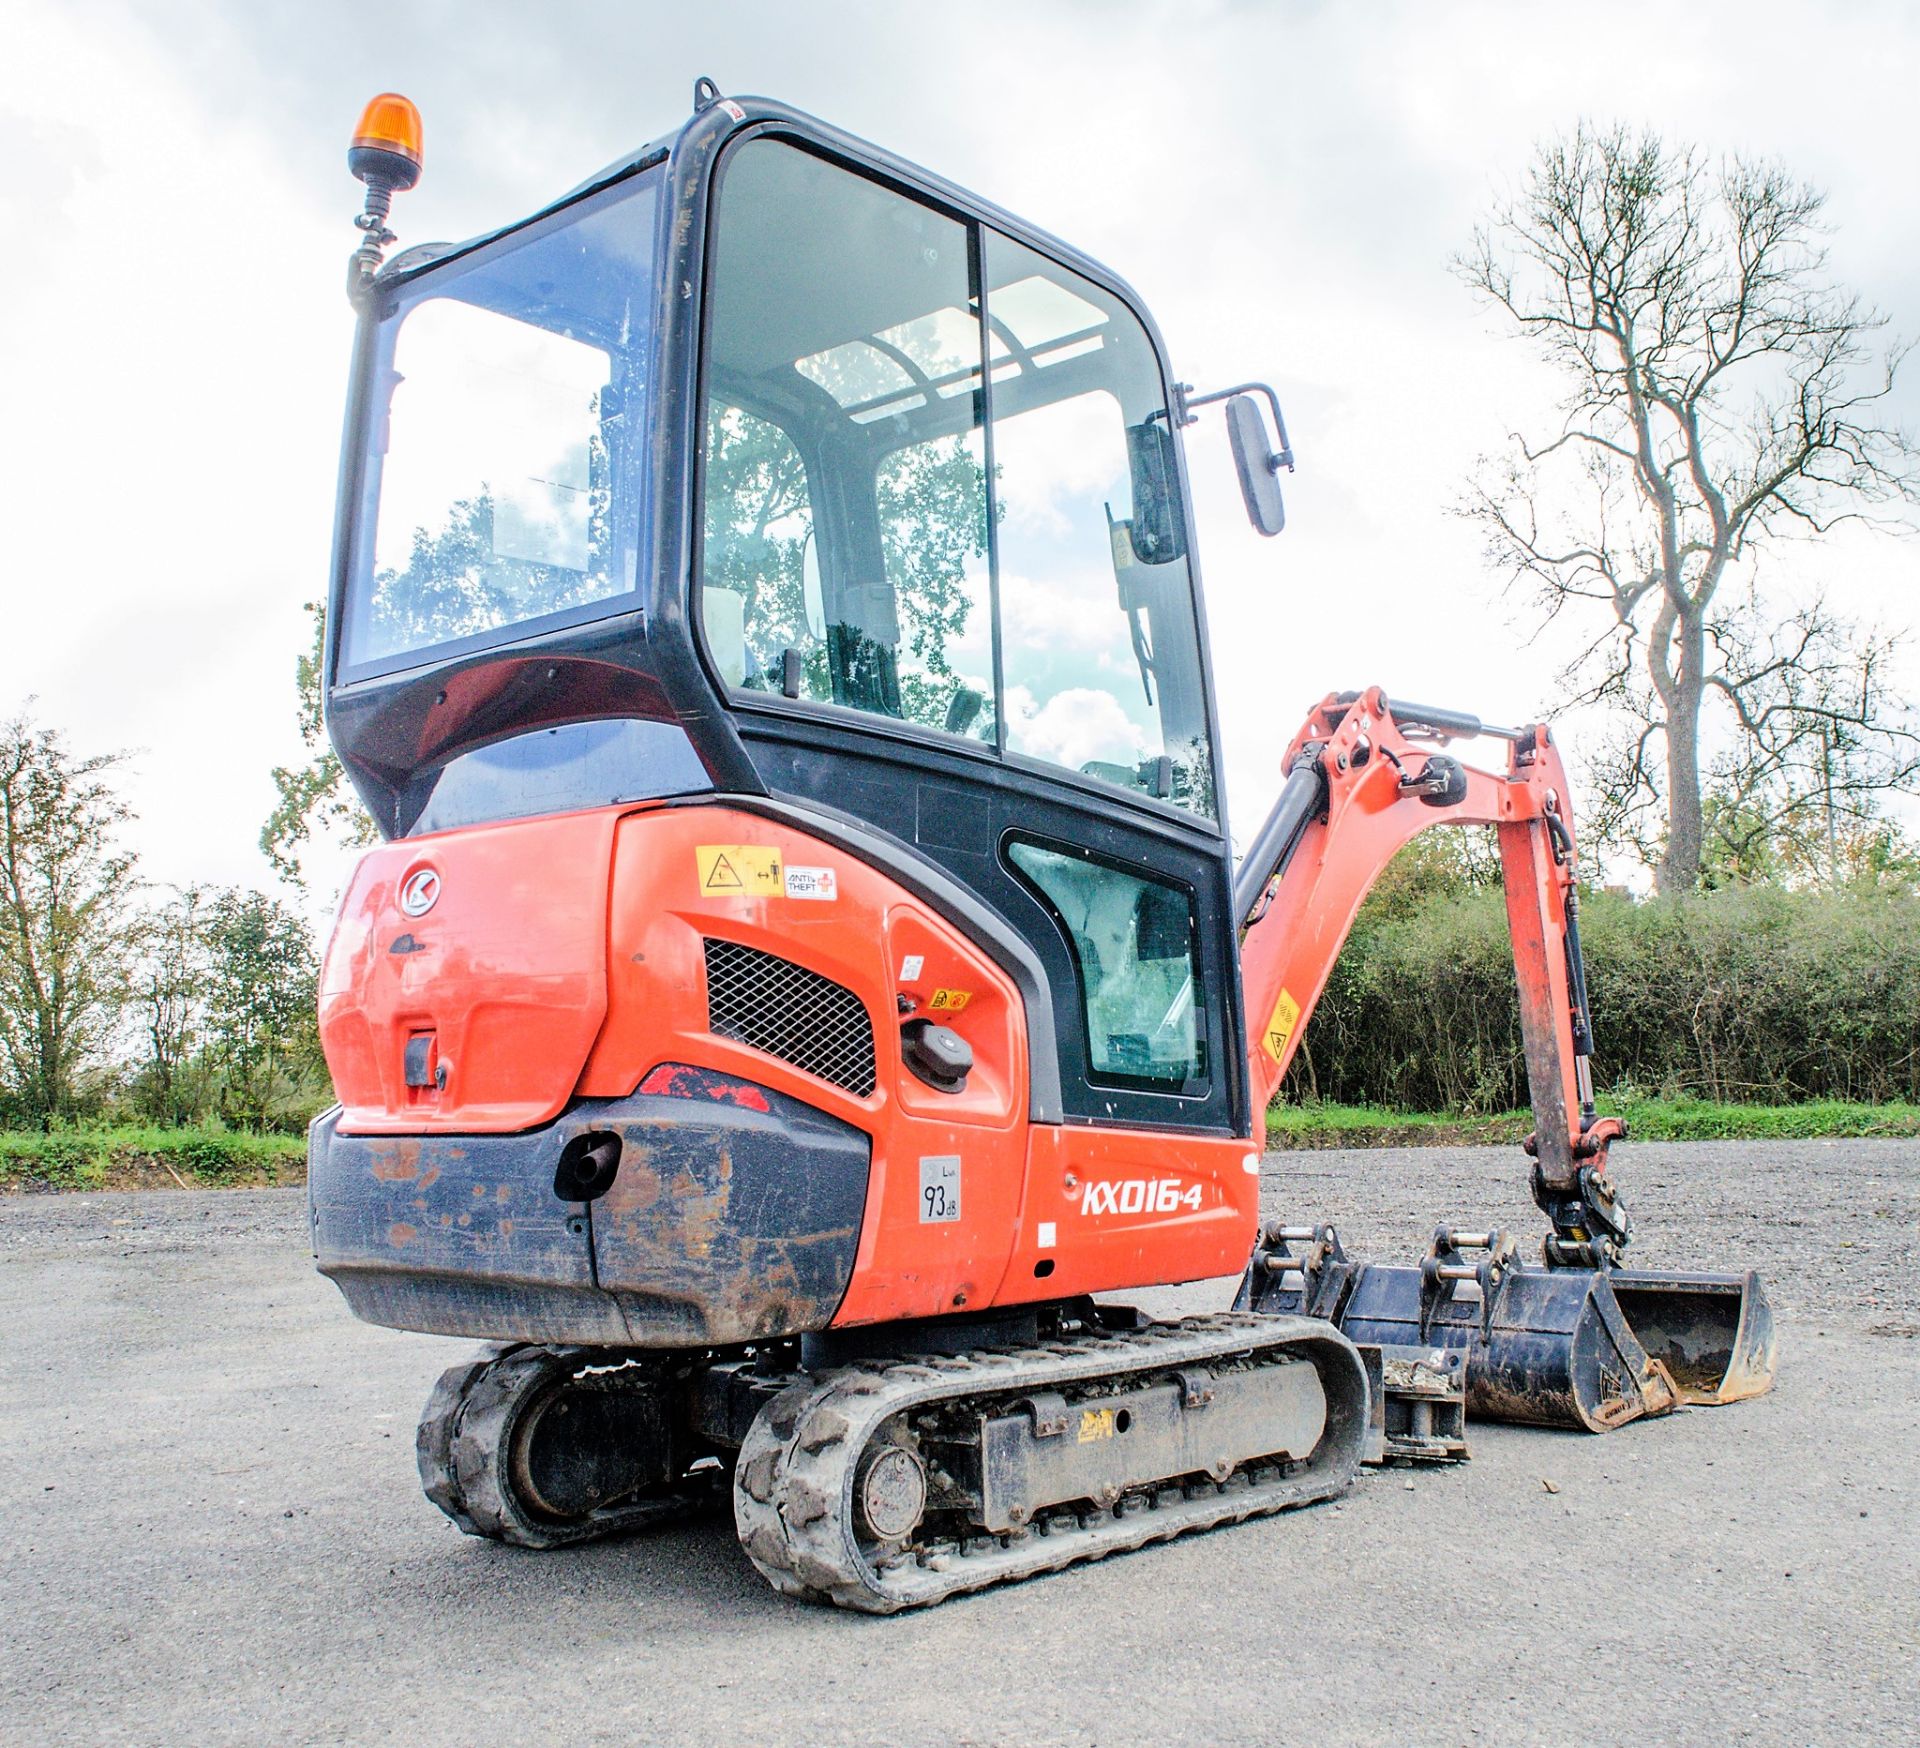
[(1095, 1424), (1286, 1015), (738, 870)]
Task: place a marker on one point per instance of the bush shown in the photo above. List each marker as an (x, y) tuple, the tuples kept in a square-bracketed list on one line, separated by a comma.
[(86, 1159), (1756, 994), (64, 1161)]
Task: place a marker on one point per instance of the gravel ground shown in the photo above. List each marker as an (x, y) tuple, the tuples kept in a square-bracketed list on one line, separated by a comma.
[(214, 1533), (1832, 1226)]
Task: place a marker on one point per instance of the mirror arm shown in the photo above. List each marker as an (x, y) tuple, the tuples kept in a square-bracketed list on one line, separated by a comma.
[(1184, 402)]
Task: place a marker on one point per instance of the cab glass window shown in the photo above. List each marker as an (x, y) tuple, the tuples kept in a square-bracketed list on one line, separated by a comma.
[(845, 513), (939, 483), (1101, 667), (1134, 950), (500, 484)]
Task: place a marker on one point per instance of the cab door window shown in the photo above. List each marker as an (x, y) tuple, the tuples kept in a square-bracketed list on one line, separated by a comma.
[(1134, 950), (1101, 664), (992, 541)]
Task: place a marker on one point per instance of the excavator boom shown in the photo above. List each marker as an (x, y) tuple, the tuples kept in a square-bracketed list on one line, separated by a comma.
[(1364, 778), (1580, 1341)]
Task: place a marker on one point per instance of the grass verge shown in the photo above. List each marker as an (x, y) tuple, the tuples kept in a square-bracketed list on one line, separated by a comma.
[(147, 1158), (1324, 1125)]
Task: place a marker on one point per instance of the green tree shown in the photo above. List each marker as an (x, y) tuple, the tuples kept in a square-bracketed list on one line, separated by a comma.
[(933, 523), (1435, 866), (262, 993), (759, 521), (931, 502), (1822, 843), (167, 999), (66, 935), (458, 581), (315, 795)]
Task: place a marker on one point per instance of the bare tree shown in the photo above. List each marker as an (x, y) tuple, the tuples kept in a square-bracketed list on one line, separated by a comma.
[(65, 936), (1721, 394)]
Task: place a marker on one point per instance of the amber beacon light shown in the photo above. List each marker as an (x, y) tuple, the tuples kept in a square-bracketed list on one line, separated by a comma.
[(386, 156)]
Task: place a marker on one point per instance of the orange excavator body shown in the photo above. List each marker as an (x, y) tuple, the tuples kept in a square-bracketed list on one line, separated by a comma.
[(568, 958), (533, 997), (808, 979)]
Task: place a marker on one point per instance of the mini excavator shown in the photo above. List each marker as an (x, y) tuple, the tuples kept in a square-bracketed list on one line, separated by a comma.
[(805, 994)]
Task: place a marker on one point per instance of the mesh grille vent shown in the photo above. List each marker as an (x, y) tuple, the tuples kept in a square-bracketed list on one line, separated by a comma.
[(790, 1012)]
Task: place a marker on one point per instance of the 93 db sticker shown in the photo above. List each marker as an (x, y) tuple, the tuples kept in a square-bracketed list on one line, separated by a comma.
[(939, 1188)]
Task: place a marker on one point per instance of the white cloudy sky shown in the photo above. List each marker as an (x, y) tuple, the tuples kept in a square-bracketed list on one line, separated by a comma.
[(1282, 182)]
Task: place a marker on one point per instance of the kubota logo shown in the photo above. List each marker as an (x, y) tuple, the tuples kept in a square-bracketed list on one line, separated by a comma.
[(419, 891)]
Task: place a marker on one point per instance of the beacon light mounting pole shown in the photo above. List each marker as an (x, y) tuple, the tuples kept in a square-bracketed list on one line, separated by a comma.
[(386, 156)]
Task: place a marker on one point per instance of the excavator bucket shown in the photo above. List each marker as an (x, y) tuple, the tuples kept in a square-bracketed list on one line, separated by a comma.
[(1713, 1333), (1586, 1348), (1589, 1349)]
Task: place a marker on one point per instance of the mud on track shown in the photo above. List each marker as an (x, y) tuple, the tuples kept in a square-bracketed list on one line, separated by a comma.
[(213, 1532)]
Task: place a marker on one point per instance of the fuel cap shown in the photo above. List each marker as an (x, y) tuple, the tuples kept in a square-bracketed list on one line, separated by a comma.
[(936, 1054)]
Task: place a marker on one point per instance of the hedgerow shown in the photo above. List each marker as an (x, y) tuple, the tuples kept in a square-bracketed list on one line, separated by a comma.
[(81, 1159), (1744, 995)]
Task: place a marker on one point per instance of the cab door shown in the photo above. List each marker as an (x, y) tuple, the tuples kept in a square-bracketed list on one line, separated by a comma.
[(945, 583)]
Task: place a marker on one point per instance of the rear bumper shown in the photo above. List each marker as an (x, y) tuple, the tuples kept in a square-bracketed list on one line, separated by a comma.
[(726, 1222)]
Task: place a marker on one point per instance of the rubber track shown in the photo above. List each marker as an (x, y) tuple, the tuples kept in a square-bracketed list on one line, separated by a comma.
[(793, 1487), (433, 1440), (466, 1433)]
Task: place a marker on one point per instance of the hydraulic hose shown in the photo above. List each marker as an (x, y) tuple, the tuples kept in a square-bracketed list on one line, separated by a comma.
[(1302, 796)]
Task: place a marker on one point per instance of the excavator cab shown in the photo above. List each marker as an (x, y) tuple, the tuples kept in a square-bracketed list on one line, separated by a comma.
[(767, 465), (766, 629)]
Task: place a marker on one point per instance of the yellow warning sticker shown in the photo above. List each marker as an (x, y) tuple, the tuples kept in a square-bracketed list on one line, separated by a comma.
[(949, 1000), (738, 870), (1286, 1015), (1095, 1423)]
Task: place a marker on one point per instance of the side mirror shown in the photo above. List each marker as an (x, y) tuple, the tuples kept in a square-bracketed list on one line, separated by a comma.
[(1256, 464), (1156, 528)]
